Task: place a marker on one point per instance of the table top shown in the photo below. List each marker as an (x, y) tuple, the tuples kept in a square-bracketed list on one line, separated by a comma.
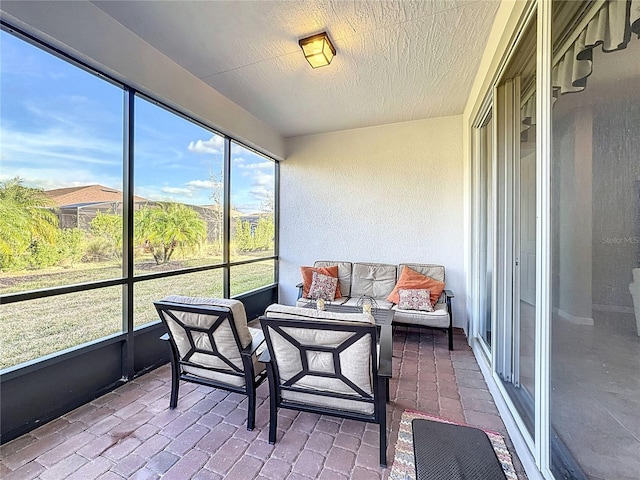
[(380, 315)]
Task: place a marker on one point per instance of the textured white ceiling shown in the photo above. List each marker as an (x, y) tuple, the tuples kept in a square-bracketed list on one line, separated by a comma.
[(396, 60)]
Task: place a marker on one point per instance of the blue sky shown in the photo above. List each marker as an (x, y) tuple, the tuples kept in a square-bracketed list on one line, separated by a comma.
[(62, 127)]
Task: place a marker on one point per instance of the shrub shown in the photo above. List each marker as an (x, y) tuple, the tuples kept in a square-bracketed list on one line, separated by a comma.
[(27, 222), (107, 232), (98, 249), (68, 248)]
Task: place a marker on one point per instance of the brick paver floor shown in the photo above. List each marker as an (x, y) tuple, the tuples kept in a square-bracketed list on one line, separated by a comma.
[(131, 433)]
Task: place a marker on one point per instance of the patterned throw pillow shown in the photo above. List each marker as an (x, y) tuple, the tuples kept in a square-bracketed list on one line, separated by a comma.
[(307, 277), (323, 286), (416, 299)]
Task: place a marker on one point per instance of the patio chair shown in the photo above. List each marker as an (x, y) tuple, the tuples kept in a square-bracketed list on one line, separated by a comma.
[(327, 363), (212, 345)]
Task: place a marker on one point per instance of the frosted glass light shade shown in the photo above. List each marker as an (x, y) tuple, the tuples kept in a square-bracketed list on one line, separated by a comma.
[(318, 49)]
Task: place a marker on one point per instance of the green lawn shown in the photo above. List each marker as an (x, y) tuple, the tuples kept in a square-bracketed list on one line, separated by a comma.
[(25, 280), (34, 328)]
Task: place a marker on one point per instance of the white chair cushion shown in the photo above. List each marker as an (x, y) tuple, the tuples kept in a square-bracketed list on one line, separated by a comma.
[(355, 360), (329, 402), (288, 312), (223, 335)]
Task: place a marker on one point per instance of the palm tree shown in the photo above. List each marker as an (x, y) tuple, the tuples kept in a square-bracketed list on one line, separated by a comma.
[(165, 227), (26, 216)]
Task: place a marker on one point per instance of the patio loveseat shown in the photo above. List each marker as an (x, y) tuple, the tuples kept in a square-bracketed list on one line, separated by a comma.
[(381, 283)]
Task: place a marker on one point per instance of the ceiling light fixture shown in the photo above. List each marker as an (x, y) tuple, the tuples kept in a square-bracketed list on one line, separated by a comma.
[(318, 49)]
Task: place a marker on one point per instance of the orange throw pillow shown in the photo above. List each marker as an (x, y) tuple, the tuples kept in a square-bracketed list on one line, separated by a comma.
[(410, 280), (307, 278)]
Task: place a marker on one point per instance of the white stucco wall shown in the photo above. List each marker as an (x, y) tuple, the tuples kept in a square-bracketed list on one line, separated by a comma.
[(387, 194)]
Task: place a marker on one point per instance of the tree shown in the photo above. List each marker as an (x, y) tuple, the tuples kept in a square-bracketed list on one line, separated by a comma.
[(165, 227), (254, 238), (264, 234), (217, 197), (268, 202), (27, 218), (243, 239)]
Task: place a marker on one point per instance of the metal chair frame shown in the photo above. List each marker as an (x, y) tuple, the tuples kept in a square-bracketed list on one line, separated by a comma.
[(381, 372), (224, 314)]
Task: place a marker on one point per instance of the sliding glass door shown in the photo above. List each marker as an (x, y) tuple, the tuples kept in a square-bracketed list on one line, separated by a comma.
[(483, 225), (562, 248), (595, 329), (516, 222)]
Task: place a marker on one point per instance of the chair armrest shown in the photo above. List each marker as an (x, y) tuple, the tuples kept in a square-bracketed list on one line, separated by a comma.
[(265, 357), (386, 351), (448, 295), (165, 337), (299, 287), (258, 340)]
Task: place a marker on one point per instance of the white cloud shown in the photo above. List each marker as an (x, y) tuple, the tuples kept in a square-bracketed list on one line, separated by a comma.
[(214, 145), (200, 184), (57, 145), (57, 158), (178, 191), (264, 179), (256, 166), (193, 192), (235, 148), (169, 194), (261, 193), (49, 178)]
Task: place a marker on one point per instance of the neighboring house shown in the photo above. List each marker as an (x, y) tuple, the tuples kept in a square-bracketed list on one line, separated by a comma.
[(79, 205)]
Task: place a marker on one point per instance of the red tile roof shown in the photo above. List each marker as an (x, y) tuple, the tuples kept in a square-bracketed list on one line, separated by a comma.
[(87, 194)]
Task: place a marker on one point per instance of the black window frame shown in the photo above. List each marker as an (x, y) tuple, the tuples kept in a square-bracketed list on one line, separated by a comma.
[(128, 279)]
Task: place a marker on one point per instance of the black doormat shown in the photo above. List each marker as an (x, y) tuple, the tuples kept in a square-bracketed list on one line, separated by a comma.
[(453, 452), (404, 460)]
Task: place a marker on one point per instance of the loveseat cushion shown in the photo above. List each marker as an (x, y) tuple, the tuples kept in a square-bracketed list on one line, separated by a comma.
[(372, 279), (430, 270), (344, 274), (439, 318)]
